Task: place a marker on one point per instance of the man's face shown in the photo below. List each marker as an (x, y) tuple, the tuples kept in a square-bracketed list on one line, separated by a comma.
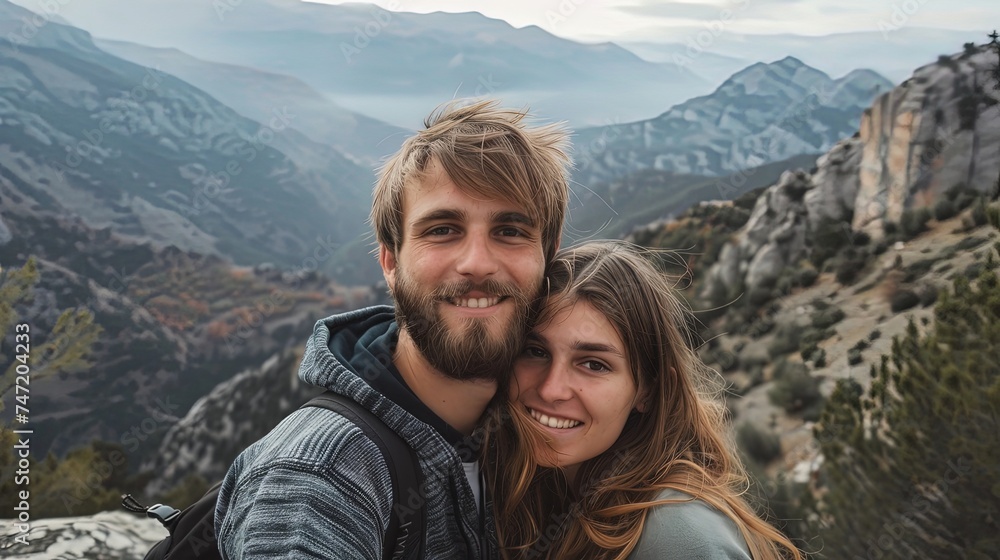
[(464, 277)]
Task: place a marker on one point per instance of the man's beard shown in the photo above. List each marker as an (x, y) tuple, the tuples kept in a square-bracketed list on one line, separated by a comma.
[(470, 351)]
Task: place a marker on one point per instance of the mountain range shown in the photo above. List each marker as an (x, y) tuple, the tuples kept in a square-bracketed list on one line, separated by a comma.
[(397, 66), (128, 147), (762, 114), (258, 95)]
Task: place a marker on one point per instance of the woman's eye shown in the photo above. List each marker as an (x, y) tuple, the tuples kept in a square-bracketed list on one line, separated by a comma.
[(534, 352), (594, 365)]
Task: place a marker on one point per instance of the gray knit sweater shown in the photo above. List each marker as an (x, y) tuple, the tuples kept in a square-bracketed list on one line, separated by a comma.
[(317, 487)]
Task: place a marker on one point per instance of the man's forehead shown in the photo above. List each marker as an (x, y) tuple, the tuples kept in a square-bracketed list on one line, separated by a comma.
[(419, 197)]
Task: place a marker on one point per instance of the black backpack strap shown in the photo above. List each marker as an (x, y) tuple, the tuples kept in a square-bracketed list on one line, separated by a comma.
[(405, 535)]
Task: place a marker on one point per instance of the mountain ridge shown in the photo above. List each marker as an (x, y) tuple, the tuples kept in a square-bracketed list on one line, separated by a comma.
[(762, 114)]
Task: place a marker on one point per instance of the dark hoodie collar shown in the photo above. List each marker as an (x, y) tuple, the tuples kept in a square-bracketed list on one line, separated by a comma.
[(364, 343)]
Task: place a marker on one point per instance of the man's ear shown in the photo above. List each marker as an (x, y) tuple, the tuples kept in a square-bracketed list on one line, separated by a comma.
[(388, 262)]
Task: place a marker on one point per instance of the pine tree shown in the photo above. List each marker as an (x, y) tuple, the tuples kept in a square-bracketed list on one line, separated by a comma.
[(912, 466), (65, 349)]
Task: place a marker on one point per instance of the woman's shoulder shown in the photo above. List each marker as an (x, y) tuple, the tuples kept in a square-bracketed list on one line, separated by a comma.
[(690, 529)]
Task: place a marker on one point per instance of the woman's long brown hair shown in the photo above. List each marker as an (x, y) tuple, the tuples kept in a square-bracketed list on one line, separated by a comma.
[(681, 442)]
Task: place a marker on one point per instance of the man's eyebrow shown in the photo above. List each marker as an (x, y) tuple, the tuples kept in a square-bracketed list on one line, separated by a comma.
[(512, 217), (438, 215)]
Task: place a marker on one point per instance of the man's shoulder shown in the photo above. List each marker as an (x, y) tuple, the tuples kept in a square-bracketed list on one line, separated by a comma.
[(312, 437)]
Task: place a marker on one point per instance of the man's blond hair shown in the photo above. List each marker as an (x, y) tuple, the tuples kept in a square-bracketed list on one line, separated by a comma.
[(491, 153)]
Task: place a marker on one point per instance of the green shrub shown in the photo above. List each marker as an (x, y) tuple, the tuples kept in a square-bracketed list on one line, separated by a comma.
[(993, 215), (826, 239), (903, 300), (786, 340), (914, 222), (819, 358), (973, 270), (874, 335), (751, 361), (827, 317), (918, 269), (854, 357), (784, 368), (808, 276), (763, 447), (760, 295), (761, 327), (944, 209), (812, 335), (928, 295), (979, 215), (795, 391), (807, 351), (849, 264), (860, 345)]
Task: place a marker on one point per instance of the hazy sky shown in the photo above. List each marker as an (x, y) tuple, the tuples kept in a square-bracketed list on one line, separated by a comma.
[(593, 20)]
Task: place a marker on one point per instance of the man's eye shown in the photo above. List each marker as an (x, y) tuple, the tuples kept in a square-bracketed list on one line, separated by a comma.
[(510, 232), (440, 230)]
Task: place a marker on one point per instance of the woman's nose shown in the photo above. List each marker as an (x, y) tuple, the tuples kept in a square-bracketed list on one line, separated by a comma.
[(555, 384)]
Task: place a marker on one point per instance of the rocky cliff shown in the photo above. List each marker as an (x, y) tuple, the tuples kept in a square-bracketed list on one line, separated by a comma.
[(223, 423), (939, 130)]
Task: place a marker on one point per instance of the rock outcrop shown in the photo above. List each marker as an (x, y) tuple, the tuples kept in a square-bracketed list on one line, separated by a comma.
[(109, 535), (938, 130), (223, 423)]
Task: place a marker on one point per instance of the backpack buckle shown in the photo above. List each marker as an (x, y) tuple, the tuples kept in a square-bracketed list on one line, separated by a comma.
[(163, 514)]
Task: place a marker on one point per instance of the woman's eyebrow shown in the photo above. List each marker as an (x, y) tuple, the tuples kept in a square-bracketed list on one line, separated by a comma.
[(596, 347), (534, 336)]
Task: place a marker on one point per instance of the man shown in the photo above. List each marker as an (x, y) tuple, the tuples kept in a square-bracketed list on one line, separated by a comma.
[(466, 215)]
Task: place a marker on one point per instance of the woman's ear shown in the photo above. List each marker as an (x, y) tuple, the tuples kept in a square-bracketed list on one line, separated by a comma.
[(643, 401)]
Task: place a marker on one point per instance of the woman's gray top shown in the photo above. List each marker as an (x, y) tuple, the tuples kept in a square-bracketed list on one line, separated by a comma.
[(691, 530)]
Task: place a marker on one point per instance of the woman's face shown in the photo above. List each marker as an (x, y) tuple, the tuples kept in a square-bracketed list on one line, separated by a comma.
[(575, 381)]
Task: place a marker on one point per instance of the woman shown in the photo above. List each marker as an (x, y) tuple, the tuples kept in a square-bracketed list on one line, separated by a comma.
[(613, 445)]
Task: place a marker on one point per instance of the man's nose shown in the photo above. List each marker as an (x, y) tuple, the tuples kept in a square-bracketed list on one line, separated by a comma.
[(478, 258)]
